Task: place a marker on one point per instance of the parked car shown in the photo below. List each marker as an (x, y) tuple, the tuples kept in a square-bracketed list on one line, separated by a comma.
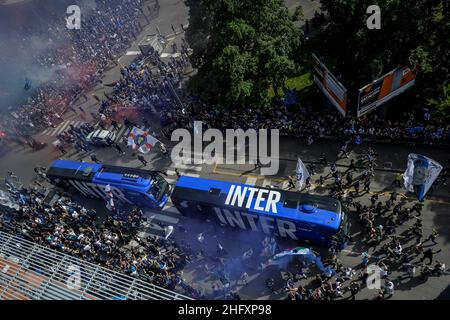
[(101, 138)]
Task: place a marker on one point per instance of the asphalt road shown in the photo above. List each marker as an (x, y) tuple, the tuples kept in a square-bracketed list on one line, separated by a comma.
[(21, 160)]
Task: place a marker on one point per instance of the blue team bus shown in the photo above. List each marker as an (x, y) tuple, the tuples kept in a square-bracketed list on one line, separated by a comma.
[(129, 186), (310, 218)]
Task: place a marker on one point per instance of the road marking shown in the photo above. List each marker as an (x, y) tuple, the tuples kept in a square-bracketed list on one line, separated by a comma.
[(133, 53), (251, 181), (194, 175), (46, 131), (171, 181), (61, 128), (171, 209), (52, 131), (188, 167), (256, 176), (170, 55), (120, 134)]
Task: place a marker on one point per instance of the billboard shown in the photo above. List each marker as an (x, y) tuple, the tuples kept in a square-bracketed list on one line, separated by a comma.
[(330, 86), (385, 88)]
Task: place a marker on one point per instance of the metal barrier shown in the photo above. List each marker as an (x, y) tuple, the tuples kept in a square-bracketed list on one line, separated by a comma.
[(32, 272)]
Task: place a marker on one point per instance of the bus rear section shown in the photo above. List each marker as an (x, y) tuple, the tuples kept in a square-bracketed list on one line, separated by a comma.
[(285, 214), (129, 186)]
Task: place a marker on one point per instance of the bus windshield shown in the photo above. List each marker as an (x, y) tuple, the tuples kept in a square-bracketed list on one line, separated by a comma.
[(158, 188)]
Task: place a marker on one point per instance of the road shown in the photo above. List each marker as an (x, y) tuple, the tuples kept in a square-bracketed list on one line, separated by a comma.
[(392, 159)]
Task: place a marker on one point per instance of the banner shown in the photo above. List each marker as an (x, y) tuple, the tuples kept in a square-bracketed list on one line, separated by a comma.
[(420, 174), (141, 140), (330, 86), (301, 173), (385, 88)]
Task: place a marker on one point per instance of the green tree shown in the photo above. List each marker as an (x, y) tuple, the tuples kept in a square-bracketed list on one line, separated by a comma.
[(240, 49)]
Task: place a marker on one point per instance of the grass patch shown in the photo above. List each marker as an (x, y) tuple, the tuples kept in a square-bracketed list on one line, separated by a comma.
[(298, 83)]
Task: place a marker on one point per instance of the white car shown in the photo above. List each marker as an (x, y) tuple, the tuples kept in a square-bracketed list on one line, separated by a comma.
[(101, 137)]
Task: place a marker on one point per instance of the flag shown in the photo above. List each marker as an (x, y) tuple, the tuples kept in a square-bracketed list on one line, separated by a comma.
[(141, 140), (301, 173), (420, 174)]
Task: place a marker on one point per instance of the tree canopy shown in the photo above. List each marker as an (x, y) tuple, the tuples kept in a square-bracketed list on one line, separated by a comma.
[(415, 34), (240, 49)]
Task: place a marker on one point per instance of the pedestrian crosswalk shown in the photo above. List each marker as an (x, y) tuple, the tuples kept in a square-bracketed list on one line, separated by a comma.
[(123, 131), (63, 126)]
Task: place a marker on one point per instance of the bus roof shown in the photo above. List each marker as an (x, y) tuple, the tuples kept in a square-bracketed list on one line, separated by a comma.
[(297, 206), (102, 174), (73, 169)]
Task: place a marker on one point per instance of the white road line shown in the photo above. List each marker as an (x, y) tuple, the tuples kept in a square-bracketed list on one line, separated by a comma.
[(62, 128), (46, 131), (251, 181), (120, 133), (133, 53), (57, 128), (194, 175), (169, 180), (170, 209), (188, 167), (153, 230), (126, 132)]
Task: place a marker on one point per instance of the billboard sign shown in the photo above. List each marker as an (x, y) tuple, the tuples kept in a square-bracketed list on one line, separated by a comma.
[(385, 88), (330, 86)]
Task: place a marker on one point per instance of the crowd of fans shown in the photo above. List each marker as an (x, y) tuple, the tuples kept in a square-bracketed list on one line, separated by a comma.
[(148, 86), (151, 86), (76, 59), (323, 124), (70, 228), (390, 250)]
